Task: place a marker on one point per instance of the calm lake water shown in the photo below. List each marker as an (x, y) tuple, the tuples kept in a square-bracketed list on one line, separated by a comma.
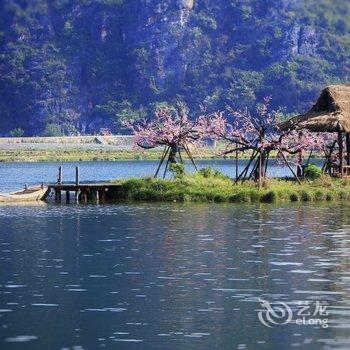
[(14, 175), (171, 276)]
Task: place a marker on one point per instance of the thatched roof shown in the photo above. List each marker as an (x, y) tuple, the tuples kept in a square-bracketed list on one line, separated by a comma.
[(331, 113)]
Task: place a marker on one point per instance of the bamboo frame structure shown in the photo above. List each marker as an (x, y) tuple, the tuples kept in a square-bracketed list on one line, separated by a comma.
[(289, 166), (260, 160), (166, 152)]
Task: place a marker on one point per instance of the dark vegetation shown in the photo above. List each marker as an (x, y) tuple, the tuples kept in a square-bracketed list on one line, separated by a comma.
[(71, 67)]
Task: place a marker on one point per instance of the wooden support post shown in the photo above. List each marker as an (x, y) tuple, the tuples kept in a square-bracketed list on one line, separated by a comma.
[(85, 197), (260, 169), (180, 156), (327, 164), (60, 196), (347, 148), (67, 196), (236, 162), (253, 171), (97, 196), (165, 152), (309, 158), (77, 176), (266, 163), (166, 168), (56, 195), (245, 170), (60, 175), (341, 153), (290, 168), (300, 165), (77, 194), (190, 156)]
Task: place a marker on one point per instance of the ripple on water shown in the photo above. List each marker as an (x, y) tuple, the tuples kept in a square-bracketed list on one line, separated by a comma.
[(106, 309), (285, 263), (205, 269), (21, 339)]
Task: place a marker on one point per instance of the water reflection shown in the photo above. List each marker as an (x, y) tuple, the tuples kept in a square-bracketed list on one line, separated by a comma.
[(166, 276)]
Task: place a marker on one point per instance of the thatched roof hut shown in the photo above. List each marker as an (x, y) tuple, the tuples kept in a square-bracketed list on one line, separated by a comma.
[(331, 113)]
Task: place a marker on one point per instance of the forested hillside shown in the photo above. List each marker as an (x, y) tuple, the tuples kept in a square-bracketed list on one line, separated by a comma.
[(73, 66)]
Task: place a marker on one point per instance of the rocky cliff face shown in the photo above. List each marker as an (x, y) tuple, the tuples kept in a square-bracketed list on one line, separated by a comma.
[(155, 37), (85, 64)]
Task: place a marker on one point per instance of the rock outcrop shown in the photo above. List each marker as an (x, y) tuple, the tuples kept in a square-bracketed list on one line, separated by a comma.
[(86, 65)]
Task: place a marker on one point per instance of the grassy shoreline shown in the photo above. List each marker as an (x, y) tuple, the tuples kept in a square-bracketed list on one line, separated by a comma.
[(196, 188), (81, 155), (92, 148), (85, 148), (92, 155)]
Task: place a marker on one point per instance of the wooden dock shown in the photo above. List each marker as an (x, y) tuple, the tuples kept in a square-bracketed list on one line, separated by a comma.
[(83, 192)]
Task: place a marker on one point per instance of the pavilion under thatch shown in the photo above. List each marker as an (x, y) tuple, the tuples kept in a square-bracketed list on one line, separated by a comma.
[(331, 113)]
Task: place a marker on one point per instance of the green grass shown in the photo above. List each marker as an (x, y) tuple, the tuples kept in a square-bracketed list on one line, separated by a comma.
[(34, 155), (53, 149), (74, 155), (197, 188)]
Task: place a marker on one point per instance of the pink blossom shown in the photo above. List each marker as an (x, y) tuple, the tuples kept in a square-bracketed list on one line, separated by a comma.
[(170, 127)]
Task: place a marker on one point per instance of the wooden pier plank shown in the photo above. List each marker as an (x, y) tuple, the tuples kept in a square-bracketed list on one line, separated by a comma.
[(97, 192)]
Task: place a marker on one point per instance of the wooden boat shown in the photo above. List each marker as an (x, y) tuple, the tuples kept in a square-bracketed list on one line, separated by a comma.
[(28, 194)]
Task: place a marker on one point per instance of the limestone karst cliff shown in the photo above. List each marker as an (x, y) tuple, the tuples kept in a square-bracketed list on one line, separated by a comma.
[(77, 65)]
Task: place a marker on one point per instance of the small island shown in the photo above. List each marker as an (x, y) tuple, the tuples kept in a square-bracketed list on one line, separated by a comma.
[(261, 138), (210, 186)]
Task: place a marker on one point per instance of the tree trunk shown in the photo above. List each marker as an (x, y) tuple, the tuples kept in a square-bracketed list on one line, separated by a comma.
[(299, 165), (259, 170), (172, 155)]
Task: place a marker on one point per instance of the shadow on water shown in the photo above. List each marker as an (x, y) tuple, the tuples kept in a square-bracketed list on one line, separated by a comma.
[(171, 276)]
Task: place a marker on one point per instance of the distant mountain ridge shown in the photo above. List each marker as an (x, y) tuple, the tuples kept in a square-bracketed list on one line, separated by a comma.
[(75, 66)]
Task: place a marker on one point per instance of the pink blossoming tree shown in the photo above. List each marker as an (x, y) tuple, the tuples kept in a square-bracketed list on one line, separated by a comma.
[(258, 133), (172, 129)]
